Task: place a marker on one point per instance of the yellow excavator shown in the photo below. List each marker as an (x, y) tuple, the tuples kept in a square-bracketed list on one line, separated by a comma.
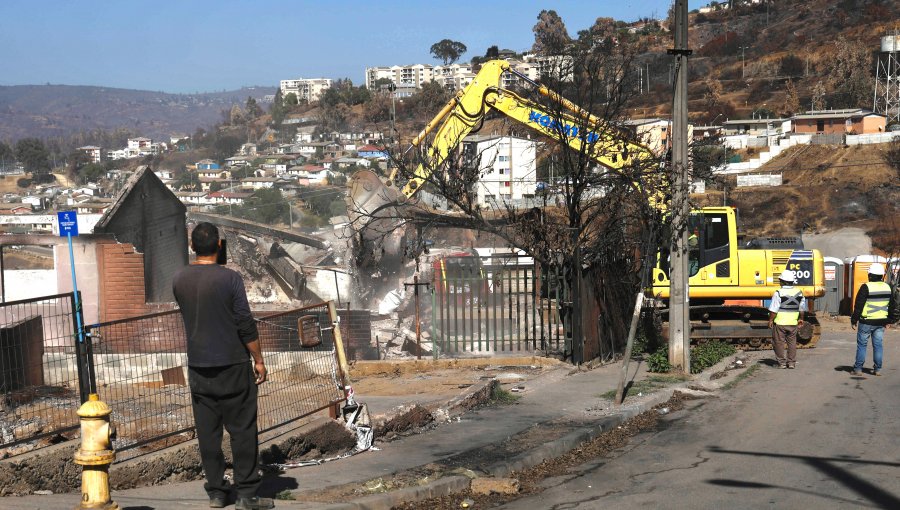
[(727, 284)]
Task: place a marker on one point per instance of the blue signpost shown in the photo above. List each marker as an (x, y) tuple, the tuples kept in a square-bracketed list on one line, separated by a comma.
[(68, 226)]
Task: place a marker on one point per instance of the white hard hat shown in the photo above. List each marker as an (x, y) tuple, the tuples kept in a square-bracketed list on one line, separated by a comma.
[(876, 269), (788, 275)]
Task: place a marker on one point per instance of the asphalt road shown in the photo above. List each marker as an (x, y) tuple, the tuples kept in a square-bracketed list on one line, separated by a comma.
[(815, 437)]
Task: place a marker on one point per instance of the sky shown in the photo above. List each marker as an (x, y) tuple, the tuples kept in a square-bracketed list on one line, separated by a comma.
[(188, 46)]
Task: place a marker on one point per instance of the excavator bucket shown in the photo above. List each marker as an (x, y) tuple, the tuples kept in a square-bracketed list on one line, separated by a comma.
[(378, 228)]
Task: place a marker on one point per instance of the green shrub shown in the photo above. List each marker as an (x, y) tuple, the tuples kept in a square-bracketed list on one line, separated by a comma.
[(706, 355), (659, 361)]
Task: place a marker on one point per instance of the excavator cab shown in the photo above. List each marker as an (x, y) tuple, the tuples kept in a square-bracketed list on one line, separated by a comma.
[(712, 251)]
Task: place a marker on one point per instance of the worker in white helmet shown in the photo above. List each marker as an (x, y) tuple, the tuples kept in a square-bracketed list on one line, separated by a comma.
[(870, 311), (785, 318)]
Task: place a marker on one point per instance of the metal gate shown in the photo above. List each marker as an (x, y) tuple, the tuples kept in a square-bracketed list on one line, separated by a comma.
[(498, 304)]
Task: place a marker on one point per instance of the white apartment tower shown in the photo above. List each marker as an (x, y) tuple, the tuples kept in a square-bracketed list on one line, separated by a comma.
[(507, 167), (305, 89)]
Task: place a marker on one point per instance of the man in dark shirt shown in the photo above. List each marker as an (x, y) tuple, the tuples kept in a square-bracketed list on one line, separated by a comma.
[(221, 339)]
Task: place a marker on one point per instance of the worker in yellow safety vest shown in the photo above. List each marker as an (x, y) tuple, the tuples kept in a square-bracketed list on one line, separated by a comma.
[(870, 312), (785, 318)]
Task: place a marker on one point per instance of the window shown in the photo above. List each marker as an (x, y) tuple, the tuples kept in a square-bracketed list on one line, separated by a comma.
[(503, 158), (716, 231), (503, 171)]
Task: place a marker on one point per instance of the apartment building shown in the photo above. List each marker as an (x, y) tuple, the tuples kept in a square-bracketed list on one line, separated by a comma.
[(403, 77), (454, 76), (94, 153), (407, 79), (305, 89), (507, 167)]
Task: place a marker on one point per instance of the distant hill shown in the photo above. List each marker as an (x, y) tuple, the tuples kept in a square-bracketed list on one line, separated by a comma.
[(56, 110)]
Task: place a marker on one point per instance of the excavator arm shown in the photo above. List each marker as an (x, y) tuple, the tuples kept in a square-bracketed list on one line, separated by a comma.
[(581, 130)]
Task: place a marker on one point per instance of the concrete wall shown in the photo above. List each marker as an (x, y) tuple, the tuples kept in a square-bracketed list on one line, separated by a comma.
[(759, 180), (86, 273), (152, 219), (872, 138)]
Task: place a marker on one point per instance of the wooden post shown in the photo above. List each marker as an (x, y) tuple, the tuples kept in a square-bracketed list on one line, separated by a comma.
[(415, 284), (620, 390)]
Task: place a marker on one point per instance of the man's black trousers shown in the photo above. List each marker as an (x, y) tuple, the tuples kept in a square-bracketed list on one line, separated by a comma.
[(226, 396)]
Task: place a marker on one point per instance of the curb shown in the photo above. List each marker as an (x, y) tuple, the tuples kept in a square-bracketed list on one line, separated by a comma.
[(453, 484)]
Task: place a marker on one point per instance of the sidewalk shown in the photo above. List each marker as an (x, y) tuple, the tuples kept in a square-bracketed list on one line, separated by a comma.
[(493, 440)]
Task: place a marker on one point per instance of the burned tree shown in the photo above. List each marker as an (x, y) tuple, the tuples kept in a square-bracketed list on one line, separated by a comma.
[(597, 232)]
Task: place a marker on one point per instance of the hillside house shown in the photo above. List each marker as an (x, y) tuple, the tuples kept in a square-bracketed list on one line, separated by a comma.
[(309, 149), (97, 206), (372, 151), (90, 189), (757, 127), (206, 164), (193, 197), (256, 183), (238, 161), (853, 121), (347, 162), (36, 203), (216, 173), (229, 197), (15, 209), (118, 154), (305, 134), (206, 183), (248, 149)]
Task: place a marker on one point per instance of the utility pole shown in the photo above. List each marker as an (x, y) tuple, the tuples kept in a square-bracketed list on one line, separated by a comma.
[(679, 302), (742, 60)]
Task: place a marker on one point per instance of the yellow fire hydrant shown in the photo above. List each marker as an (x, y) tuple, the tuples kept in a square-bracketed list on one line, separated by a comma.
[(96, 454)]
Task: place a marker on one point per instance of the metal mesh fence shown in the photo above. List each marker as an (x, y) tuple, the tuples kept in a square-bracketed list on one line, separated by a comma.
[(39, 371), (139, 368), (301, 380)]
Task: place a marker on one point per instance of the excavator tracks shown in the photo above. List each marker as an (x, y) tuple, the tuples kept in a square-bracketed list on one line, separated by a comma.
[(747, 328)]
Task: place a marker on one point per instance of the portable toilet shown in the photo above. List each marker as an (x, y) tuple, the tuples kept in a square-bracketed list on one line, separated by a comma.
[(858, 275), (830, 303)]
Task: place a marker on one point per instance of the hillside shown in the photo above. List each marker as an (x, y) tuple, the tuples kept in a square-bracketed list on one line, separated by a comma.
[(825, 188), (46, 111), (745, 60)]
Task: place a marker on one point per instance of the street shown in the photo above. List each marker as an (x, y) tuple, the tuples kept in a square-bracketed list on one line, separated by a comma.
[(814, 437)]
